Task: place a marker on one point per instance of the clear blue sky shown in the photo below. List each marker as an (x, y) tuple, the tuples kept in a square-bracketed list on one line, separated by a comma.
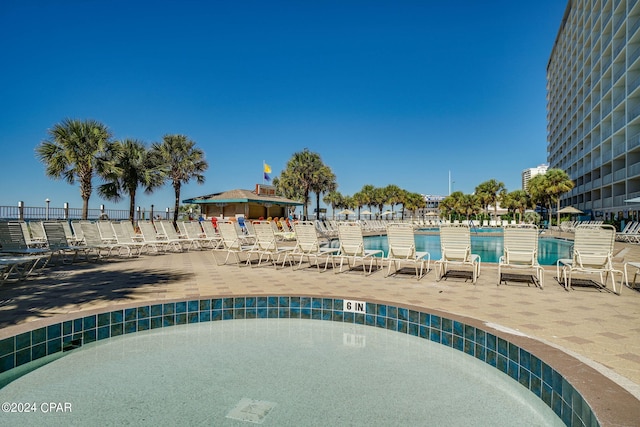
[(387, 92)]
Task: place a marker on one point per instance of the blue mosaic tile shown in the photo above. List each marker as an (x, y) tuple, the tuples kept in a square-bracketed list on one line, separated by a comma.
[(546, 394), (205, 305), (480, 337), (458, 328), (413, 329), (23, 356), (403, 314), (67, 327), (144, 324), (261, 302), (349, 317), (338, 304), (337, 316), (327, 314), (272, 302), (503, 347), (556, 404), (435, 322), (491, 342), (371, 308), (272, 313), (316, 314), (392, 312), (54, 345), (156, 310), (502, 364), (525, 359), (382, 310), (89, 336), (181, 307), (470, 332), (192, 317), (358, 318), (169, 309), (327, 304), (205, 316), (524, 377), (425, 332), (104, 319), (181, 318), (262, 313), (250, 302), (116, 316), (381, 321), (435, 335), (216, 315), (54, 331), (514, 352), (130, 314), (447, 325), (457, 342), (23, 340), (250, 313), (402, 326), (7, 362), (156, 322), (392, 324), (238, 313), (77, 325), (168, 320), (566, 414), (193, 306), (481, 352), (7, 346), (294, 312), (446, 339), (144, 312), (238, 303), (38, 351), (104, 332), (228, 314), (469, 347), (536, 386), (513, 369), (216, 304), (536, 366), (305, 302), (38, 336), (492, 358), (557, 382), (130, 327), (116, 329)]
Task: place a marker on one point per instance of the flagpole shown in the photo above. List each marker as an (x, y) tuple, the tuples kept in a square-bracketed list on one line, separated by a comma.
[(263, 163)]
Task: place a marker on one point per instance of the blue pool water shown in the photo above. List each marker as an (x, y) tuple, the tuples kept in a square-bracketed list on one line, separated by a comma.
[(488, 246)]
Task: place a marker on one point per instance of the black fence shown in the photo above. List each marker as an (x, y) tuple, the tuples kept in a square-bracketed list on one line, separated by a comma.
[(42, 213)]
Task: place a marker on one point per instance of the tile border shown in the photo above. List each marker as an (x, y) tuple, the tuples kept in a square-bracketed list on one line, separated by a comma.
[(501, 351)]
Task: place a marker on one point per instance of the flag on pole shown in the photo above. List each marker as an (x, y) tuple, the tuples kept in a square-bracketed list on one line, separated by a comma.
[(267, 171)]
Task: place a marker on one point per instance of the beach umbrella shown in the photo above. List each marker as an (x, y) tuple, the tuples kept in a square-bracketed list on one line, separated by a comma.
[(346, 212), (366, 212), (570, 210)]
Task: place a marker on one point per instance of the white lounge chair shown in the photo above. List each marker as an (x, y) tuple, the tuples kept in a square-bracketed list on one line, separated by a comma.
[(232, 244), (266, 245), (455, 246), (352, 249), (402, 249), (520, 252), (308, 246), (592, 254)]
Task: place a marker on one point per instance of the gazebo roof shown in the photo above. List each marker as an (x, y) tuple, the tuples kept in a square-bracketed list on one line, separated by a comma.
[(242, 196)]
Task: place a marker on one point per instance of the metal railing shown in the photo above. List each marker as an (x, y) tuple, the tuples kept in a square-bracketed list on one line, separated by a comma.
[(41, 213)]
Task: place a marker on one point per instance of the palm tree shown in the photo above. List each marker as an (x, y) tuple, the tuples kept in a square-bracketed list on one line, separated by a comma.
[(127, 166), (359, 200), (299, 176), (489, 192), (451, 204), (334, 199), (413, 202), (180, 162), (379, 198), (520, 201), (73, 152), (394, 196), (537, 191), (469, 204), (367, 192), (558, 183), (324, 181)]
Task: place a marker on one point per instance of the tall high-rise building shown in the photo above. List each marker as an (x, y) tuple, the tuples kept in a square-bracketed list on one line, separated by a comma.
[(527, 174), (593, 104)]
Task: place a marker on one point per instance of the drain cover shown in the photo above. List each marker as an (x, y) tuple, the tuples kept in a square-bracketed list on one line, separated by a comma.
[(253, 411)]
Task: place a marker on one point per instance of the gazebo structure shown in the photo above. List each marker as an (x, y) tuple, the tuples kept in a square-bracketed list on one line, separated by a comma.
[(261, 202)]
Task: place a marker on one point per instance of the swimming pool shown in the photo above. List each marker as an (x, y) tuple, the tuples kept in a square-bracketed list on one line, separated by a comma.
[(276, 372), (488, 246)]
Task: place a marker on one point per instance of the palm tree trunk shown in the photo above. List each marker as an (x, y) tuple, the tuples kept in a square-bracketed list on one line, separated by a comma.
[(85, 208), (176, 189)]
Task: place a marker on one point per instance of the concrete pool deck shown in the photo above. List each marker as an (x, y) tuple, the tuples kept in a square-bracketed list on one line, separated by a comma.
[(599, 328)]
